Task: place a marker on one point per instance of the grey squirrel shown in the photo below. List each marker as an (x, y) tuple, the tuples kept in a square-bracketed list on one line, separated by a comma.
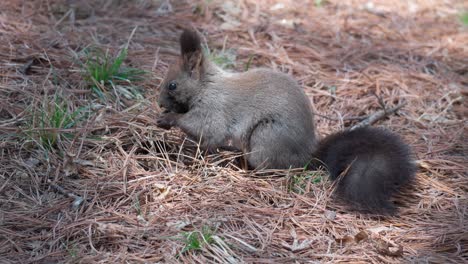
[(267, 115)]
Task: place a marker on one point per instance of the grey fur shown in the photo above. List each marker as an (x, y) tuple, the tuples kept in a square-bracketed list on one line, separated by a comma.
[(267, 115), (264, 113)]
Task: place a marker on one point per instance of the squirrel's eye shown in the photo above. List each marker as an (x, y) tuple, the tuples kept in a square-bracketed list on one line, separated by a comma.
[(172, 86)]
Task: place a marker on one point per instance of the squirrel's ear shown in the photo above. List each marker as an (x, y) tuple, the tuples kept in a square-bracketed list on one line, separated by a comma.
[(189, 42), (191, 51)]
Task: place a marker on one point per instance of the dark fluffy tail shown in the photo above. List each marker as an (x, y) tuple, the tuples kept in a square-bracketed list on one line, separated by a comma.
[(371, 163)]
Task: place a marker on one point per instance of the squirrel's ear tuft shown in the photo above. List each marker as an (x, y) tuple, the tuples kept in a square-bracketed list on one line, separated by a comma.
[(192, 55), (189, 42)]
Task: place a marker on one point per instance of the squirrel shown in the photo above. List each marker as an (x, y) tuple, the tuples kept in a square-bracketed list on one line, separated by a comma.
[(266, 115)]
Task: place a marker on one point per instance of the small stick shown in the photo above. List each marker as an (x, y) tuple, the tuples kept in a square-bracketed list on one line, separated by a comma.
[(27, 66), (131, 36), (70, 13), (359, 118), (78, 199), (377, 116)]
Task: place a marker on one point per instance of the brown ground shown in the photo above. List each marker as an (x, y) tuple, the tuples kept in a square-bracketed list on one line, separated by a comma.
[(143, 192)]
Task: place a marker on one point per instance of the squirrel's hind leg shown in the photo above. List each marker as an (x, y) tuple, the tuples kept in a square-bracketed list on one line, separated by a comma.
[(273, 145)]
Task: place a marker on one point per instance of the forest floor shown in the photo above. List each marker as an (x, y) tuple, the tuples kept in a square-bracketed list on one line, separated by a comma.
[(86, 176)]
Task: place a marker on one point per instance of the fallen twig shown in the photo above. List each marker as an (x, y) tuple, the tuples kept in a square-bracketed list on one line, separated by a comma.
[(350, 118), (78, 199), (377, 116)]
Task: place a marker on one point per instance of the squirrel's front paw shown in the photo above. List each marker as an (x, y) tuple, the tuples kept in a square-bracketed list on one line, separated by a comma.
[(167, 120)]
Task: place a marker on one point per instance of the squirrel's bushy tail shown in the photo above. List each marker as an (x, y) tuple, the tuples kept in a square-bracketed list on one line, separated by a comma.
[(371, 165)]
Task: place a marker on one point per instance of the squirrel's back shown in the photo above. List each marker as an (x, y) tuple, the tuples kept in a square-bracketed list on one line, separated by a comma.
[(268, 113)]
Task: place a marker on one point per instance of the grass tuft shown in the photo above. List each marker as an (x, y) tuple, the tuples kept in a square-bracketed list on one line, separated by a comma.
[(196, 240), (300, 183), (249, 62), (464, 18), (48, 122), (319, 3), (224, 58), (103, 70)]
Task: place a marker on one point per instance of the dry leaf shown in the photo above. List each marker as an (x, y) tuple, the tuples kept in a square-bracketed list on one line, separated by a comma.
[(361, 236), (330, 215), (345, 240), (161, 191), (178, 224), (388, 249)]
